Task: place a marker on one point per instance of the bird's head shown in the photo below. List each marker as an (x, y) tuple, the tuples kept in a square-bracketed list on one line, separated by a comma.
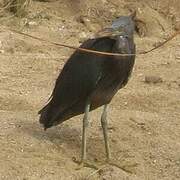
[(122, 26), (122, 30)]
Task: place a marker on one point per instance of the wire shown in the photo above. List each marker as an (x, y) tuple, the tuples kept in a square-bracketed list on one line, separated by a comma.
[(89, 50)]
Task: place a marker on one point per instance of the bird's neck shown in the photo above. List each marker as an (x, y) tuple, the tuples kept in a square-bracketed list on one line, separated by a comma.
[(124, 45)]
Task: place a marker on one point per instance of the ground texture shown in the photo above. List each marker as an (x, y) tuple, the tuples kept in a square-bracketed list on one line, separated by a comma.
[(144, 117)]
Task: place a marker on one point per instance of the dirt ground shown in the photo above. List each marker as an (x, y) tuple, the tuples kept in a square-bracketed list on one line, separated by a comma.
[(144, 118)]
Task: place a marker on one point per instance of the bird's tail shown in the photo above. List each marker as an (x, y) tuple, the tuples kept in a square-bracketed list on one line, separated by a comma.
[(45, 116)]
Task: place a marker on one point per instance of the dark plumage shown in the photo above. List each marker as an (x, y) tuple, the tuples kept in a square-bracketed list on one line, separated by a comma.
[(90, 78), (87, 77)]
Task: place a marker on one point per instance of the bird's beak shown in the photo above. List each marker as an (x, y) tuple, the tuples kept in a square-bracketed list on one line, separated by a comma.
[(108, 32)]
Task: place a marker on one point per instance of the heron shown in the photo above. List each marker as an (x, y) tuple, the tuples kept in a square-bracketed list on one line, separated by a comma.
[(88, 81)]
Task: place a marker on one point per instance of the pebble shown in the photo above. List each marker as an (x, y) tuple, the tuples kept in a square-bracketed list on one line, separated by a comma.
[(165, 63), (2, 51), (125, 103), (177, 55), (83, 19), (32, 23), (153, 79), (1, 44), (156, 44), (111, 129)]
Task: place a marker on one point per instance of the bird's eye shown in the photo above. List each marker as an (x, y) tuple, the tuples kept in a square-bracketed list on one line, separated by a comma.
[(124, 36)]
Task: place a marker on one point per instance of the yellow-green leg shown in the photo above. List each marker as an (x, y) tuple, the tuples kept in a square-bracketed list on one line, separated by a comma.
[(105, 133), (83, 162), (104, 124), (84, 133)]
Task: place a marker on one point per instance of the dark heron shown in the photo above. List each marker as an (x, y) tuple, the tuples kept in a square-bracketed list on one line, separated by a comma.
[(89, 81)]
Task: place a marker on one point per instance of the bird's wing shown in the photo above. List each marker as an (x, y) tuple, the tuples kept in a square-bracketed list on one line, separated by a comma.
[(79, 76)]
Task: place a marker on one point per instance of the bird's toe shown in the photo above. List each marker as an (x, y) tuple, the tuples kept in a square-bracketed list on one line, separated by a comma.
[(84, 163)]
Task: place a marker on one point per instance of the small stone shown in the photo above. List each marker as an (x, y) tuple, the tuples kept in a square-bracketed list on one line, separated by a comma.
[(153, 79), (140, 74), (156, 44), (177, 56), (83, 19), (61, 28), (111, 129), (1, 51), (165, 63), (32, 23), (113, 10)]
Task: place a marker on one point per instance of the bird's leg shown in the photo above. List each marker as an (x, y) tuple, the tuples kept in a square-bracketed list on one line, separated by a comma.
[(84, 133), (83, 162), (105, 133)]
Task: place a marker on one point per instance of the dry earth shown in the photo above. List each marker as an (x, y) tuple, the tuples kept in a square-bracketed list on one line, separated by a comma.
[(144, 118)]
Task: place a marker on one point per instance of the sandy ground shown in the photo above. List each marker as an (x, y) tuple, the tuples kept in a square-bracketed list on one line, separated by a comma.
[(144, 118)]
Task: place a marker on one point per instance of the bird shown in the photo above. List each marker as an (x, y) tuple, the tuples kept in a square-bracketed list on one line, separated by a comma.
[(89, 81)]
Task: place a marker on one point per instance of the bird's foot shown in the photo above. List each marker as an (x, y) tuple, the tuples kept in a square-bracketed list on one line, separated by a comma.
[(127, 168), (84, 163)]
